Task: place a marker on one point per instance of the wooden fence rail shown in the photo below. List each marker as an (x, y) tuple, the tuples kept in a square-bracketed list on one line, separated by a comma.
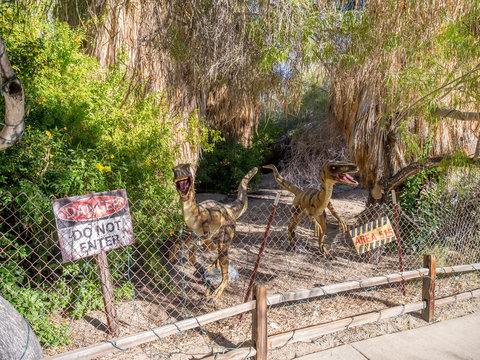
[(271, 342), (308, 333)]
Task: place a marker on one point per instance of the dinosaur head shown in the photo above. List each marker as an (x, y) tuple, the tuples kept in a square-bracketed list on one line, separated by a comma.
[(184, 177), (338, 172)]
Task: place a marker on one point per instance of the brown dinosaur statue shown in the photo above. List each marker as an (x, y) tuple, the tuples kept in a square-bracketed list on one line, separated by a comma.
[(212, 222), (314, 202)]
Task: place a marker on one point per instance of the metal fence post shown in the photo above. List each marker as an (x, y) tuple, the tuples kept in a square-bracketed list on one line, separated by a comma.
[(399, 241)]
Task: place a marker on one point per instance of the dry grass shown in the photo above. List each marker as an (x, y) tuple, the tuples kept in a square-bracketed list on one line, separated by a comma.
[(311, 146)]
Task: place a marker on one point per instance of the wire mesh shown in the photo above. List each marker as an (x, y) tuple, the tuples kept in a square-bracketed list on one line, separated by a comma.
[(157, 281)]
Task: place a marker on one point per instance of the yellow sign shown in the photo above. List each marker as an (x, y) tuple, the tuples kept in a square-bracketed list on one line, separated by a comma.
[(372, 235)]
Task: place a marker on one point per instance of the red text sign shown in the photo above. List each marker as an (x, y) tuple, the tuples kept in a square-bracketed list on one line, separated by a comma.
[(91, 208), (90, 224)]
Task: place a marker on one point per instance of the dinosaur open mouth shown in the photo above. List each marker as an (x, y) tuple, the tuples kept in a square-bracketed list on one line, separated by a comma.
[(344, 178), (183, 186)]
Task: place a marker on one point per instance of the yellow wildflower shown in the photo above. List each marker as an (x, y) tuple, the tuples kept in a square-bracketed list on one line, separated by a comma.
[(147, 162), (99, 167), (172, 232), (48, 133), (108, 168), (112, 156)]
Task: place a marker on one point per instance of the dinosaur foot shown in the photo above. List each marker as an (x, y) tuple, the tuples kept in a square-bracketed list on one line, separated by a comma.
[(211, 296), (207, 299), (325, 253)]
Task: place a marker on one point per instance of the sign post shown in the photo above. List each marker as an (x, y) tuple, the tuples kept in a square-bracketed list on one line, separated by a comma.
[(107, 293), (91, 225)]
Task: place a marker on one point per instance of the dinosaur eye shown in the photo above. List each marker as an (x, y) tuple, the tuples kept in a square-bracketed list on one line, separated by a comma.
[(333, 167)]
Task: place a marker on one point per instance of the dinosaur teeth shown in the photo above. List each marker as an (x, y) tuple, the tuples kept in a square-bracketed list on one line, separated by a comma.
[(347, 178), (183, 185)]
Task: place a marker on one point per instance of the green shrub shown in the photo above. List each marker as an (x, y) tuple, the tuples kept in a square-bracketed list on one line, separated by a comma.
[(223, 168), (83, 134), (437, 198)]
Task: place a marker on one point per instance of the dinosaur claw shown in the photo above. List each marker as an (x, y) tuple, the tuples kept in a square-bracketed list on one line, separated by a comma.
[(342, 226), (207, 299), (325, 253)]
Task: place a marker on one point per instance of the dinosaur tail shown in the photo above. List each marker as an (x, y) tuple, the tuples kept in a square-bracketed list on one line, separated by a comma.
[(281, 181), (239, 206)]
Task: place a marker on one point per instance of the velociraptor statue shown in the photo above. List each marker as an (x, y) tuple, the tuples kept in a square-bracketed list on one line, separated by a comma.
[(313, 201), (213, 222)]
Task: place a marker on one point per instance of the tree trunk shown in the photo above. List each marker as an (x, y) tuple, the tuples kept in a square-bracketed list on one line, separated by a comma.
[(12, 90)]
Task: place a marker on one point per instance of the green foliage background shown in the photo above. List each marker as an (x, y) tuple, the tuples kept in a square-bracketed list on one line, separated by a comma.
[(82, 134)]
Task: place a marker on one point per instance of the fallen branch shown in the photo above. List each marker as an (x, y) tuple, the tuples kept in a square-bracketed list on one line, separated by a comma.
[(382, 189), (457, 115)]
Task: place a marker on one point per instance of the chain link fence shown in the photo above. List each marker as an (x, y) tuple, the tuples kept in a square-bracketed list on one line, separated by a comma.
[(156, 281)]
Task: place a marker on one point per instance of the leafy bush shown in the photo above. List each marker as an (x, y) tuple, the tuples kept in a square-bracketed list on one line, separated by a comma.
[(438, 199), (223, 168), (84, 133)]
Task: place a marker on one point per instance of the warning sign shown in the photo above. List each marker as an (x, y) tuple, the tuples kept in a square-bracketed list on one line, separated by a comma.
[(372, 235), (90, 224)]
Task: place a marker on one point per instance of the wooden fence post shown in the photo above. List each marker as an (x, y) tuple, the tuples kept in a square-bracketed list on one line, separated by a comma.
[(107, 292), (428, 288), (259, 322)]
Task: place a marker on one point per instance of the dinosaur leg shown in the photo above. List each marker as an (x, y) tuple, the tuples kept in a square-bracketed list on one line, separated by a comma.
[(223, 246), (172, 252), (192, 259), (320, 229), (341, 223), (209, 245), (175, 248), (295, 219), (215, 264)]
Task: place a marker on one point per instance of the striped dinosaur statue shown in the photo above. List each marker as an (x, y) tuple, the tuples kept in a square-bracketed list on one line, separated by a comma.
[(314, 202), (212, 222)]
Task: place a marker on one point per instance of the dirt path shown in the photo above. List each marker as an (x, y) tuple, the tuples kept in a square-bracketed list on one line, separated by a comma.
[(280, 271)]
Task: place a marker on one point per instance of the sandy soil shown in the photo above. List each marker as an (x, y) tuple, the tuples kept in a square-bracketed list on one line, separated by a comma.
[(280, 271)]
